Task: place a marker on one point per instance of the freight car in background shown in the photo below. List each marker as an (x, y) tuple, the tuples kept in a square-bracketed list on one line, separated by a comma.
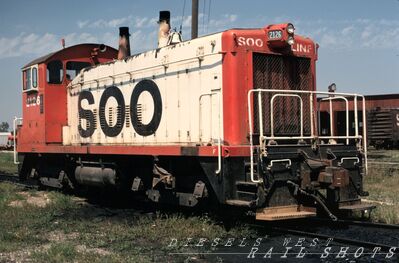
[(382, 119), (383, 128), (227, 119), (4, 138), (6, 141)]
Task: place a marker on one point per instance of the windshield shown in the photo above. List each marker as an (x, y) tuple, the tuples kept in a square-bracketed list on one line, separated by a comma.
[(74, 67)]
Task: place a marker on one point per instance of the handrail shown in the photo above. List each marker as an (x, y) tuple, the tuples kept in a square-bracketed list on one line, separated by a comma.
[(200, 112), (14, 138), (219, 127), (331, 114), (251, 145), (218, 171), (364, 132), (295, 93), (272, 111)]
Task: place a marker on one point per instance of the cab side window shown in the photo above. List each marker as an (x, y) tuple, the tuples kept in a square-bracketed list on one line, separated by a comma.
[(74, 67), (27, 82), (34, 77), (55, 72)]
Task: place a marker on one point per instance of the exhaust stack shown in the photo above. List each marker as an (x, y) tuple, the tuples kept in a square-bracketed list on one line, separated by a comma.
[(164, 28), (124, 43)]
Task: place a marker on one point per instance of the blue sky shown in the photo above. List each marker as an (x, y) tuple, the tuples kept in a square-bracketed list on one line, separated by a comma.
[(359, 39)]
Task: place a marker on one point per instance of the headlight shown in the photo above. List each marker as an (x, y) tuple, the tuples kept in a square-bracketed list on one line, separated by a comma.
[(290, 40), (290, 29), (332, 87)]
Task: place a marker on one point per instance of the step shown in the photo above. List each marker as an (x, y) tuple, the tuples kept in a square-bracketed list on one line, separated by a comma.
[(247, 184), (357, 207), (284, 212), (241, 203), (246, 196), (248, 163)]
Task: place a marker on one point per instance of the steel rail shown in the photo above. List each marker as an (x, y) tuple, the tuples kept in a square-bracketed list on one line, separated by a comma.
[(358, 223), (13, 179), (335, 239)]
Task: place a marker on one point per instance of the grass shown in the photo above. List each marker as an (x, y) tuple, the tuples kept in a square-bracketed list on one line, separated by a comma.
[(382, 183), (7, 163), (69, 231)]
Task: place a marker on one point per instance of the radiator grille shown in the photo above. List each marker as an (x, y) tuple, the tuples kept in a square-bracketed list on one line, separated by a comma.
[(284, 73)]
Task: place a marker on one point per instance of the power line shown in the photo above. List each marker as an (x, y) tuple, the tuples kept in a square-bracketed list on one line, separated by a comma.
[(182, 16), (209, 15), (203, 17)]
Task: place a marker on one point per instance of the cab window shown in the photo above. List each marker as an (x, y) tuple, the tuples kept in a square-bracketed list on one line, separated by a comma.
[(34, 77), (55, 72), (74, 67), (27, 76)]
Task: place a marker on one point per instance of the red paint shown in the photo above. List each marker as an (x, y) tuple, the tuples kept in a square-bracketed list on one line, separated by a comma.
[(40, 129), (238, 78), (175, 150)]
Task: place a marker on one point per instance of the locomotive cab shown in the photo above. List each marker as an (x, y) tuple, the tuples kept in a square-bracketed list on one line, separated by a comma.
[(45, 95)]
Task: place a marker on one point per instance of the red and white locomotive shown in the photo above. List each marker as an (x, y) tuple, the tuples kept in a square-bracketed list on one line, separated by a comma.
[(229, 118)]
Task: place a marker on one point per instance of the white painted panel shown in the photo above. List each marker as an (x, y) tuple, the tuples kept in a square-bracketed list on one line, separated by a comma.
[(182, 79)]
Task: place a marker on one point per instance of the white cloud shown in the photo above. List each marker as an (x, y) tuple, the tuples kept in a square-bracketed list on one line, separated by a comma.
[(74, 38), (82, 24), (41, 44), (137, 22), (140, 22), (337, 35), (131, 21), (348, 30), (222, 22), (355, 34), (27, 44)]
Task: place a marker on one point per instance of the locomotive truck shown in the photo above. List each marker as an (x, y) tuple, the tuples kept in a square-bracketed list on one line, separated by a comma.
[(229, 118)]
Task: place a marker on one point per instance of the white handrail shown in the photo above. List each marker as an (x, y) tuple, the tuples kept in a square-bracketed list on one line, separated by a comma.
[(219, 126), (251, 145), (14, 138), (200, 113), (331, 114), (272, 112), (294, 93), (260, 110), (218, 171), (364, 133)]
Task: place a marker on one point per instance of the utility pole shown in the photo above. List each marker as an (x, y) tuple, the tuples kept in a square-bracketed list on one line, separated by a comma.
[(194, 19)]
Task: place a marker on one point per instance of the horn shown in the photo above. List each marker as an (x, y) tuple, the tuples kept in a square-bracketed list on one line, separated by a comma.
[(102, 48)]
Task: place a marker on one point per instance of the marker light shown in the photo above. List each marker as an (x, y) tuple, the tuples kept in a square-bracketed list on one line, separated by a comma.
[(332, 87), (290, 40)]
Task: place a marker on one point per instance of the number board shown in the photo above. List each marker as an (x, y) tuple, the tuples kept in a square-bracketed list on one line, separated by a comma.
[(275, 34)]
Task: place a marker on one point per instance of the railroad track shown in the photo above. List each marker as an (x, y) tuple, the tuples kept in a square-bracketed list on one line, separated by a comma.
[(340, 231), (336, 239), (13, 179), (349, 232), (360, 223)]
